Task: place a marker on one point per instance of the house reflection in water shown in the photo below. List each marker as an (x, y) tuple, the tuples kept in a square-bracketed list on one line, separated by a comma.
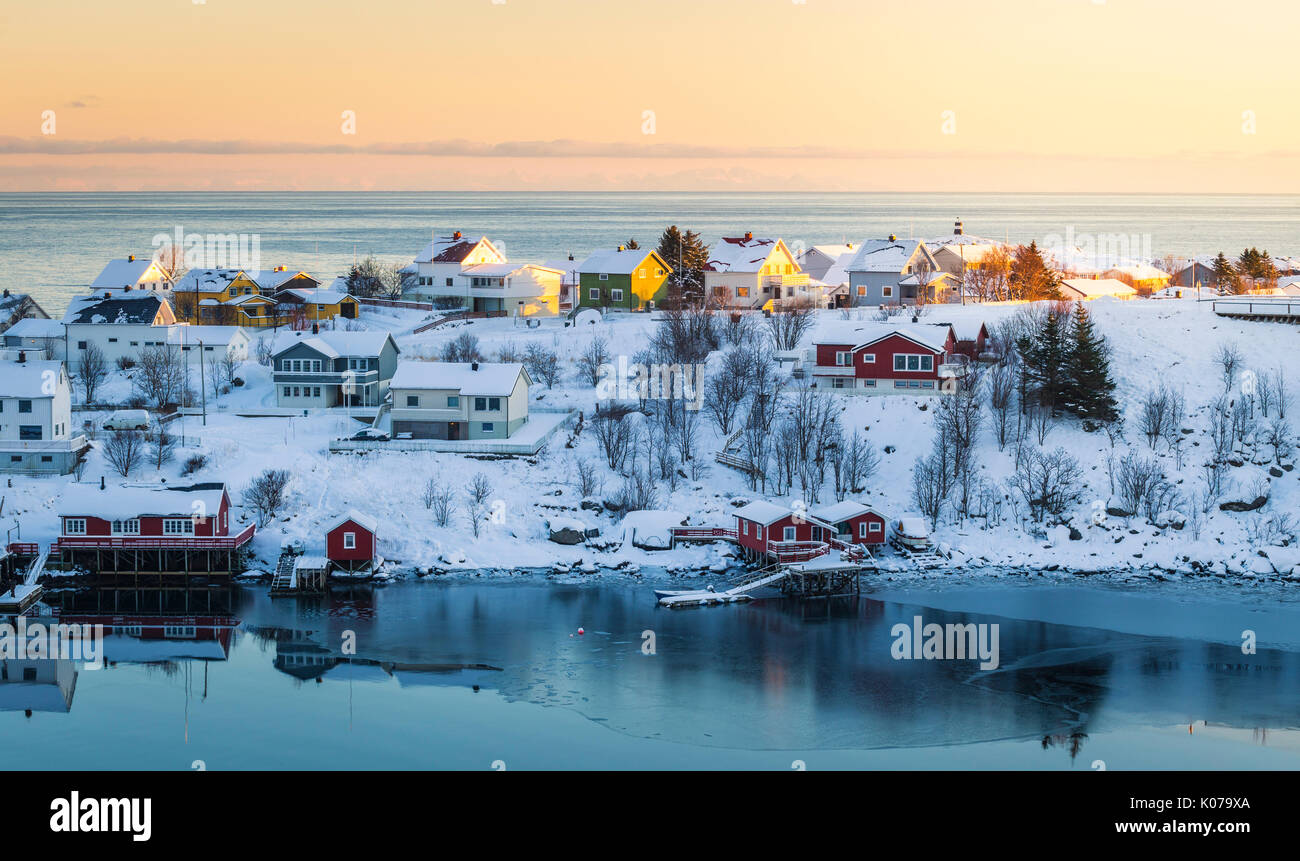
[(37, 685)]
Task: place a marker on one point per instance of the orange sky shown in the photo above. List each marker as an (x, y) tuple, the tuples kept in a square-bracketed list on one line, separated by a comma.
[(1041, 95)]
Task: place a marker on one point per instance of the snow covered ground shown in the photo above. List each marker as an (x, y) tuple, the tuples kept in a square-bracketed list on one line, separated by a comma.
[(1154, 342)]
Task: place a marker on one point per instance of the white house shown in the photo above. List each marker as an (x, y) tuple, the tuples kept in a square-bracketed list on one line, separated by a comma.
[(215, 341), (334, 368), (134, 273), (120, 324), (36, 418), (751, 272), (444, 258), (18, 306), (568, 282), (1085, 289), (459, 400), (517, 289), (41, 338)]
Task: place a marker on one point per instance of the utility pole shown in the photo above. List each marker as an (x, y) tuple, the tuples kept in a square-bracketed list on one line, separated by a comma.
[(203, 384)]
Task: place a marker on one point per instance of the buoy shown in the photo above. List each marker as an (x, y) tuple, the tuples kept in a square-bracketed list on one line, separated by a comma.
[(580, 631)]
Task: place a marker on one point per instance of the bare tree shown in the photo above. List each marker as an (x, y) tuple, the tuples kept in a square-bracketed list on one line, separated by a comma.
[(543, 365), (91, 370), (1229, 359), (463, 348), (124, 451), (727, 389), (162, 379), (586, 479), (788, 325), (263, 350), (592, 360), (1001, 391), (162, 448), (614, 433), (929, 487), (1046, 481), (267, 494), (476, 498)]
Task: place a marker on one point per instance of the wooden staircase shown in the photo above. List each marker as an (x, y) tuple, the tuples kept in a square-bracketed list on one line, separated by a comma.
[(283, 581)]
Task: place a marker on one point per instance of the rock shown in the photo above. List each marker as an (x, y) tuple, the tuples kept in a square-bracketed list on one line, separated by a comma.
[(1258, 503), (591, 504), (1116, 511), (1075, 535), (567, 536), (1275, 472), (1236, 461)]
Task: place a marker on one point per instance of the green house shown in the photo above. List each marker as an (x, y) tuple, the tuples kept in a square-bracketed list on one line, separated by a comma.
[(631, 279)]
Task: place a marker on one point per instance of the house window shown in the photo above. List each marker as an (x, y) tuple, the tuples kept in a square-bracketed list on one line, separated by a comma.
[(47, 458), (29, 431), (604, 276), (838, 382), (862, 529), (742, 291), (296, 391), (862, 290), (927, 384), (315, 391), (412, 400), (789, 533), (616, 295), (640, 273), (887, 292), (74, 526), (448, 282), (868, 358), (900, 384), (913, 362), (869, 383), (15, 458), (178, 526), (453, 401), (593, 293), (494, 403), (744, 527), (874, 526), (112, 340), (126, 527), (480, 404), (843, 358), (287, 391), (349, 541), (24, 406), (489, 427), (81, 345)]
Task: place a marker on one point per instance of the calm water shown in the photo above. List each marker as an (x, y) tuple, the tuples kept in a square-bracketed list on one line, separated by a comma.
[(752, 686), (53, 245)]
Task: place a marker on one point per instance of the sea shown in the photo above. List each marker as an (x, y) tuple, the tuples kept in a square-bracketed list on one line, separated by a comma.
[(54, 245)]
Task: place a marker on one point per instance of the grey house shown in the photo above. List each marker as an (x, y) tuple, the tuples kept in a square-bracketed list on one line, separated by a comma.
[(314, 370), (894, 271), (460, 400)]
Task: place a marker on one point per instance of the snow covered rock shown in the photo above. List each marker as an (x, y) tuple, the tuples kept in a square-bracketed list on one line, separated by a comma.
[(566, 530), (1257, 503), (651, 530)]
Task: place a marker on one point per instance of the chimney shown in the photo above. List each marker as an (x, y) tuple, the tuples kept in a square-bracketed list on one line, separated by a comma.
[(570, 257), (473, 366), (456, 235), (621, 248), (749, 235), (7, 291), (101, 482), (315, 328), (956, 228), (893, 238), (130, 258), (108, 295), (22, 356)]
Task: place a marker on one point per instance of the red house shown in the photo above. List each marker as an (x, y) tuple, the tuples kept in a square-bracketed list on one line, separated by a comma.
[(883, 358), (350, 543), (160, 529), (852, 522), (972, 339), (782, 534)]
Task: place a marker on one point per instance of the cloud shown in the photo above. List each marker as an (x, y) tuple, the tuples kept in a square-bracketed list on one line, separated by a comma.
[(83, 102)]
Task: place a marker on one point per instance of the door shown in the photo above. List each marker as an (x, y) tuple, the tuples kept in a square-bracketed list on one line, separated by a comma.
[(453, 430)]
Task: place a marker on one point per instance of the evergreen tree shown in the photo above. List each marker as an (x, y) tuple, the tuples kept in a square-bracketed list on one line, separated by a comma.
[(687, 254), (1045, 356), (1089, 390), (1225, 275)]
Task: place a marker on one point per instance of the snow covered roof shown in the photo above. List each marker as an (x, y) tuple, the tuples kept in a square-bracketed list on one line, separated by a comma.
[(1140, 272), (206, 280), (859, 334), (334, 343), (36, 327), (838, 512), (27, 379), (311, 563), (123, 271), (491, 378), (830, 251), (884, 255), (120, 308), (451, 247), (272, 279), (141, 501), (614, 261), (209, 335), (567, 266), (319, 295), (1092, 288), (764, 512), (838, 273), (362, 520), (740, 253), (502, 270), (965, 330)]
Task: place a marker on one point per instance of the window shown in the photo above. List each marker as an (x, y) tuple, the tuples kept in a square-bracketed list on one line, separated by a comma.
[(47, 458), (862, 289), (913, 362), (874, 526), (616, 295), (112, 340), (494, 403), (887, 292), (640, 273), (869, 383), (126, 527), (15, 458), (927, 384), (900, 384), (29, 431), (448, 282), (604, 276), (453, 401), (789, 533), (862, 529), (287, 391), (742, 291), (315, 391), (489, 427), (349, 541), (74, 526), (868, 358), (81, 345), (744, 527), (24, 406), (315, 364), (412, 400), (178, 526), (843, 357), (480, 403), (296, 391), (135, 343), (838, 382)]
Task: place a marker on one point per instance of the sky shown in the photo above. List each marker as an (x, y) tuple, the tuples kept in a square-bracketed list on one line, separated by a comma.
[(755, 95)]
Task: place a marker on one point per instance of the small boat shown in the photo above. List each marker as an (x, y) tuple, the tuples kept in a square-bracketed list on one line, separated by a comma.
[(671, 593), (911, 533)]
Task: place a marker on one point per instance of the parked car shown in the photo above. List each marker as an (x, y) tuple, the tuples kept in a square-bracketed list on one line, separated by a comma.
[(127, 420), (371, 433)]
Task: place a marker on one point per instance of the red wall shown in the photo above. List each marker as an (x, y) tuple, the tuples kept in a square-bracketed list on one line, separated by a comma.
[(364, 550), (217, 525), (872, 537), (775, 532), (884, 351)]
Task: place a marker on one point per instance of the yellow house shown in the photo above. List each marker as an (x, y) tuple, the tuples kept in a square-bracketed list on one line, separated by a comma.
[(237, 297), (318, 304)]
